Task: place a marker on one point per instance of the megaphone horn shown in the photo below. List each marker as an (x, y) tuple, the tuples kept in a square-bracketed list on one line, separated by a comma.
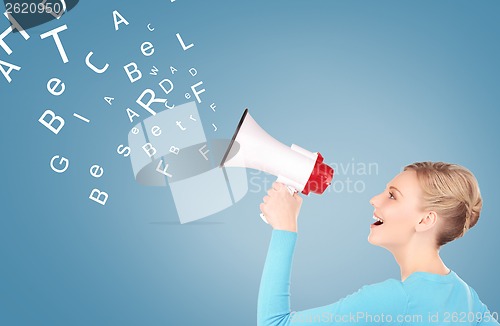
[(252, 147)]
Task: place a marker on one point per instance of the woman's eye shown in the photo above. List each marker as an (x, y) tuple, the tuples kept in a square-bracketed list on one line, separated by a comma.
[(391, 195)]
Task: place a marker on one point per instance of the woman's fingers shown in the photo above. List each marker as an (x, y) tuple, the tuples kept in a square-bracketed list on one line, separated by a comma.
[(297, 197), (277, 186)]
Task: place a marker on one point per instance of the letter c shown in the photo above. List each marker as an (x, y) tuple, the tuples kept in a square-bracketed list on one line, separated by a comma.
[(94, 68)]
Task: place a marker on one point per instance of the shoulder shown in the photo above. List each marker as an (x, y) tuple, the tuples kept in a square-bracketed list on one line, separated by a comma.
[(475, 301), (382, 296), (389, 289), (482, 311)]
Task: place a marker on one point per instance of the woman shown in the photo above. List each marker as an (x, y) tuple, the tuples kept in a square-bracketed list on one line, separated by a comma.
[(422, 208)]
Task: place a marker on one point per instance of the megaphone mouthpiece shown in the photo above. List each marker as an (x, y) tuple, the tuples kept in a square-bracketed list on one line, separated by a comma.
[(320, 178)]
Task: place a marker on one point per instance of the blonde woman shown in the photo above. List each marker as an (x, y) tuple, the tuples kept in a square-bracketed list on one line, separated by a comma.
[(424, 207)]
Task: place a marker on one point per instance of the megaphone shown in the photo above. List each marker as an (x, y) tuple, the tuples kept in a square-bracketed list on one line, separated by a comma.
[(252, 147)]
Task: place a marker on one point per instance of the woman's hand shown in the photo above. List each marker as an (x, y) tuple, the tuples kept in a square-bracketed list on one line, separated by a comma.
[(280, 208)]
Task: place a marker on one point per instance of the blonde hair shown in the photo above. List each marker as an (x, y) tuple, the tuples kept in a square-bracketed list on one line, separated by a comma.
[(453, 193)]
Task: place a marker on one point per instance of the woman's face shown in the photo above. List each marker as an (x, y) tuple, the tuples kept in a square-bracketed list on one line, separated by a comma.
[(399, 207)]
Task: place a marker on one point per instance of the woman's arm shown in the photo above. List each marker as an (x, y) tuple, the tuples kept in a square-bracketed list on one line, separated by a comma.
[(273, 307), (383, 301)]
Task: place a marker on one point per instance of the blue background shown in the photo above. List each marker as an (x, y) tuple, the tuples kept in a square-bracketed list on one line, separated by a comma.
[(381, 82)]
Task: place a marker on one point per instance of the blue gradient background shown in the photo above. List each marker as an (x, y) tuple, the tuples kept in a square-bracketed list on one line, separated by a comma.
[(385, 82)]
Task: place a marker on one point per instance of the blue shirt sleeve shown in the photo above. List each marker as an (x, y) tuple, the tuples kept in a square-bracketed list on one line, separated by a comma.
[(484, 317), (379, 303)]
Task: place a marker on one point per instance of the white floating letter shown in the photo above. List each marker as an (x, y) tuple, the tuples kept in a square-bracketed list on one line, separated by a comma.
[(55, 35), (96, 194), (49, 124), (94, 68), (64, 162), (118, 22), (134, 70), (151, 101)]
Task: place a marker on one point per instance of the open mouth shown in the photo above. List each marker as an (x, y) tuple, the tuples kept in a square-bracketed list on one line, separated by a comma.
[(378, 221)]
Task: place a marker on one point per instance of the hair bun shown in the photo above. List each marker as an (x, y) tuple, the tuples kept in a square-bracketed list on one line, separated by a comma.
[(473, 213)]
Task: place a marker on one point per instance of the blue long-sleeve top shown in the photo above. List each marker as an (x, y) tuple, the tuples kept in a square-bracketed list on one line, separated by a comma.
[(422, 299)]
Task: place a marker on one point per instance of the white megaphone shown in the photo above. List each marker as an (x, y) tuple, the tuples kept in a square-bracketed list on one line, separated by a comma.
[(252, 147)]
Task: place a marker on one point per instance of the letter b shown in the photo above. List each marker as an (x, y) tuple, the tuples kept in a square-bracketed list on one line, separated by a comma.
[(49, 124), (96, 195), (149, 149), (134, 70)]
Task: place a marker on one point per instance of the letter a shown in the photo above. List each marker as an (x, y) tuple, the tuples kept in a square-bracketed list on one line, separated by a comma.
[(131, 114), (7, 73), (118, 22), (109, 99)]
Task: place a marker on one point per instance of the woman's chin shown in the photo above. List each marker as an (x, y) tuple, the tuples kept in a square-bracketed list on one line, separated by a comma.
[(373, 239), (377, 242)]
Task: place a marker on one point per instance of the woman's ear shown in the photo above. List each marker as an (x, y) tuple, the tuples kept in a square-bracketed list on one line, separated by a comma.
[(427, 222)]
